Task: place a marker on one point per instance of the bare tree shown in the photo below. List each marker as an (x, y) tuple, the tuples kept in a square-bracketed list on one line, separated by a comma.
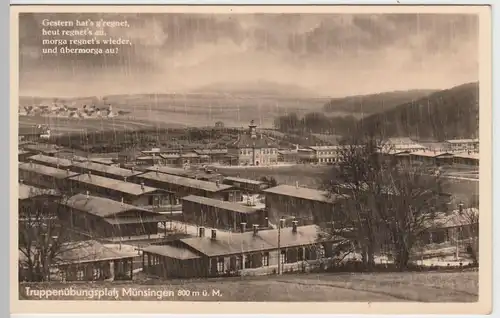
[(386, 202), (42, 239), (349, 180)]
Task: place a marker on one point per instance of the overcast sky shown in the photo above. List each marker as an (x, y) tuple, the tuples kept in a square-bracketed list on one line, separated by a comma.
[(333, 55)]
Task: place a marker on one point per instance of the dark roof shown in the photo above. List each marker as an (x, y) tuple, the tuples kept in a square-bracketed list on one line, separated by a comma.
[(46, 170), (236, 243), (27, 191), (114, 184), (226, 205), (99, 206), (298, 192), (245, 181), (51, 160), (107, 169), (185, 182), (246, 141), (170, 251)]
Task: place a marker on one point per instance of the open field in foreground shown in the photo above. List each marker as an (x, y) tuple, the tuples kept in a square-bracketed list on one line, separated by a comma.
[(369, 287), (61, 125)]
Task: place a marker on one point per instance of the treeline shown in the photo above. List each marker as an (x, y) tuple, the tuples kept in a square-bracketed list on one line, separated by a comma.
[(114, 141), (317, 123)]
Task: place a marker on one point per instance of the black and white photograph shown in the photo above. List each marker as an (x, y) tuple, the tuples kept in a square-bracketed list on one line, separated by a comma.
[(237, 156)]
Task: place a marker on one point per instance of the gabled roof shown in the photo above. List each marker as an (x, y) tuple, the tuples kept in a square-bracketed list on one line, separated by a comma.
[(237, 243), (27, 192), (210, 151), (42, 159), (298, 192), (455, 218), (113, 184), (171, 251), (244, 181), (107, 169), (462, 141), (42, 148), (85, 252), (474, 156), (430, 154), (46, 170), (225, 205), (246, 141), (99, 206), (185, 182)]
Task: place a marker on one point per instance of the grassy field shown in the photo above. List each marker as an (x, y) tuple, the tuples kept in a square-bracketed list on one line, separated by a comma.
[(60, 125), (200, 109), (381, 287)]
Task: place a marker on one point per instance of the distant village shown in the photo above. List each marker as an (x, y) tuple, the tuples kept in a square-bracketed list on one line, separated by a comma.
[(170, 213), (62, 110)]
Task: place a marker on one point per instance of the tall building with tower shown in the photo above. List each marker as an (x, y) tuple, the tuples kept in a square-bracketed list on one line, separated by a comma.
[(254, 149)]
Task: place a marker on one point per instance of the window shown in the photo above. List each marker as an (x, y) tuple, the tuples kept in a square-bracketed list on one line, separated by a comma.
[(220, 265), (321, 251), (283, 257), (80, 274), (265, 259), (300, 254)]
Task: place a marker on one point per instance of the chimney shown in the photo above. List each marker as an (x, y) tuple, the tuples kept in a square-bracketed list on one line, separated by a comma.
[(461, 208), (266, 222), (294, 226), (255, 229), (142, 186), (57, 166), (243, 227), (296, 184), (67, 171), (89, 173), (125, 179), (87, 194), (202, 232), (122, 201), (132, 169), (214, 234), (157, 170), (31, 163)]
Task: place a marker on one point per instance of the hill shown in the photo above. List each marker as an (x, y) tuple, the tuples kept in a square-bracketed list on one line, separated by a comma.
[(446, 114), (374, 103), (260, 88)]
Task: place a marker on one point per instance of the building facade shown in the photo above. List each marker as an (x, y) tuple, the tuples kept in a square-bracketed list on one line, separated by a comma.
[(253, 149), (258, 252), (219, 214), (131, 193), (99, 217), (181, 186), (311, 206)]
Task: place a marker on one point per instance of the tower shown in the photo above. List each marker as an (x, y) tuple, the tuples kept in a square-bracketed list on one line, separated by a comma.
[(252, 129)]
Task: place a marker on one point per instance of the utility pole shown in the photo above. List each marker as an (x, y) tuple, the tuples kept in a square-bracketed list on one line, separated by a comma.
[(280, 223)]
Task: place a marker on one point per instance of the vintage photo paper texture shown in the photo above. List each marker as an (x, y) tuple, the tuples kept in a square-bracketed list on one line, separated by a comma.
[(251, 159)]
